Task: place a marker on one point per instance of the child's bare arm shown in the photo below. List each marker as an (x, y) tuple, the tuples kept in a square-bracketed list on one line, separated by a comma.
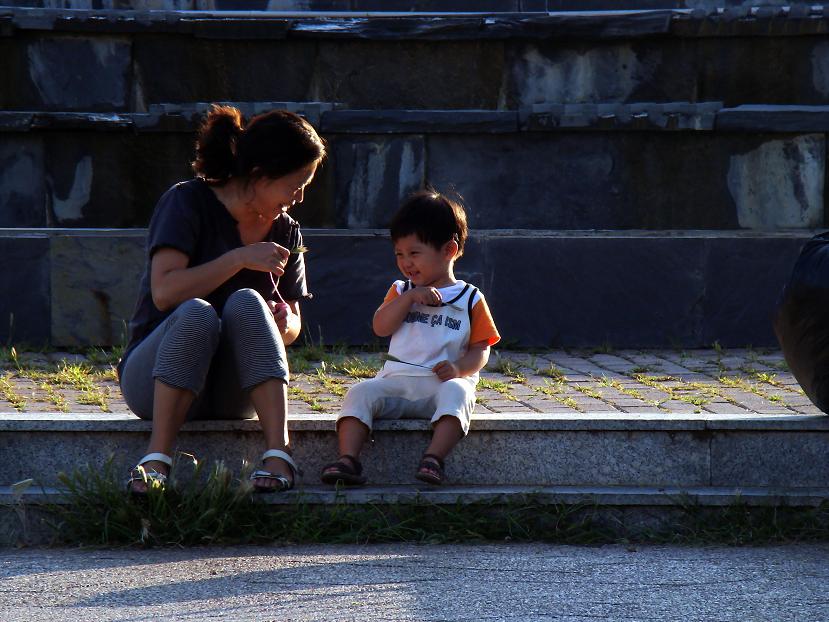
[(391, 314), (473, 361)]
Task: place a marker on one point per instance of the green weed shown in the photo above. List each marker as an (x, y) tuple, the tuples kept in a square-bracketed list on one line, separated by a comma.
[(496, 385), (555, 390), (551, 372), (356, 368), (8, 392)]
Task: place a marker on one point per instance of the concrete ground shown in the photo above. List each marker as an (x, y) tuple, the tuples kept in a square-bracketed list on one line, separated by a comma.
[(551, 381), (411, 582)]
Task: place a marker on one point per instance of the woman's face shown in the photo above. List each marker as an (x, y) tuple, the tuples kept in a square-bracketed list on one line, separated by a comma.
[(272, 197)]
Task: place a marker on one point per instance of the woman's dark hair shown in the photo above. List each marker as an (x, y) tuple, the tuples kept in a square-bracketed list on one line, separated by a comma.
[(272, 144), (433, 217)]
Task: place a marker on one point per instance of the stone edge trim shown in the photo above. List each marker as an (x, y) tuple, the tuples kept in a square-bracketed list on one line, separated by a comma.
[(332, 118), (453, 495), (595, 422)]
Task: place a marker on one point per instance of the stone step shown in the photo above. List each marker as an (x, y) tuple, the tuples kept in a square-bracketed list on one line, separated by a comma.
[(608, 166), (629, 512), (408, 7), (608, 496), (75, 287), (673, 283), (128, 60), (591, 450)]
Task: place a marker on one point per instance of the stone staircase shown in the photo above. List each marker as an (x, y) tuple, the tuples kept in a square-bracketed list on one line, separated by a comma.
[(642, 467), (637, 176), (653, 156)]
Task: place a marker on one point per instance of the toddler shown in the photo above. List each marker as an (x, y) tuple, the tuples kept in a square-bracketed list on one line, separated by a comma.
[(441, 331)]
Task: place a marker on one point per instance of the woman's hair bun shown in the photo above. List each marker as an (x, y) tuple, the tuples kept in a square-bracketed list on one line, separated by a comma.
[(216, 143)]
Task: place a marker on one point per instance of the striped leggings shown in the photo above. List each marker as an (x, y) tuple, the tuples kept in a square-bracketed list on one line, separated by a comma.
[(218, 359)]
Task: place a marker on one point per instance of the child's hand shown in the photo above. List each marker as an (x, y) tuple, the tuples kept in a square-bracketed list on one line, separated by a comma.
[(425, 296), (446, 370)]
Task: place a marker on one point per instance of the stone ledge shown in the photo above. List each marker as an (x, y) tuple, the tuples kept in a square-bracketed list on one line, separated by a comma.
[(478, 234), (332, 118), (606, 24), (681, 288), (588, 422), (502, 495)]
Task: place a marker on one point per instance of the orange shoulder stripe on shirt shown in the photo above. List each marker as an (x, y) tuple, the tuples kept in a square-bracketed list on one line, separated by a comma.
[(483, 326)]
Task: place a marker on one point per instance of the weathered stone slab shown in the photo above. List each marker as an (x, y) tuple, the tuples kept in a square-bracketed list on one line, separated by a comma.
[(111, 180), (561, 73), (24, 283), (343, 306), (670, 69), (742, 288), (236, 70), (440, 75), (98, 79), (624, 290), (88, 174), (565, 458), (775, 118), (373, 176), (590, 288), (780, 183), (770, 459), (640, 116), (22, 192), (416, 121), (94, 285)]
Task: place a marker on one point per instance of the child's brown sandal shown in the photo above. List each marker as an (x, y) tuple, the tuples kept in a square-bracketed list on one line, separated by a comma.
[(341, 472), (430, 469)]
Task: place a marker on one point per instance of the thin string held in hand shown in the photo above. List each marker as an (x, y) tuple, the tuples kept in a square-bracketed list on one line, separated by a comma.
[(275, 281)]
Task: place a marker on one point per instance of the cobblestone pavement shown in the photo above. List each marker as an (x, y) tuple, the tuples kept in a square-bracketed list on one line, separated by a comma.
[(544, 381)]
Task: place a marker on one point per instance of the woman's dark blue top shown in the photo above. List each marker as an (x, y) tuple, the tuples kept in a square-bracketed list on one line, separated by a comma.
[(190, 218)]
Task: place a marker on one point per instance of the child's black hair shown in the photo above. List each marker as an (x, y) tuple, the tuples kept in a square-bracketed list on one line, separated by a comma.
[(433, 217)]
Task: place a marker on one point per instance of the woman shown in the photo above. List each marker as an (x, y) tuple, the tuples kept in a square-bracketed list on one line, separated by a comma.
[(219, 299)]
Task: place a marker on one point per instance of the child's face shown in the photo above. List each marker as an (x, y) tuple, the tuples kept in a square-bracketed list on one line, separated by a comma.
[(423, 264)]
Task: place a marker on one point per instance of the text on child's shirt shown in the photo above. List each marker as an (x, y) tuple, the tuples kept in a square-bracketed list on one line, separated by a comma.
[(433, 319)]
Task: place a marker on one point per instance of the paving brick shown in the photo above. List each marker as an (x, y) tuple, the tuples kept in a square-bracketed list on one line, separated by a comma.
[(574, 393)]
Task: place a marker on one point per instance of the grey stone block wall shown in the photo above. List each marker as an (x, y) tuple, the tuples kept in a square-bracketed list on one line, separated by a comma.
[(626, 290), (94, 285), (454, 63), (517, 180), (505, 6), (25, 303)]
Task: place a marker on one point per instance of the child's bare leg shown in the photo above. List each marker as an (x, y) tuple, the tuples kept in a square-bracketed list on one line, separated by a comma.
[(351, 434), (447, 433)]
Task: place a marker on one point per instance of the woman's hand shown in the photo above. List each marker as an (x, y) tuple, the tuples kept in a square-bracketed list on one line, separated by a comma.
[(287, 319), (264, 257), (424, 296)]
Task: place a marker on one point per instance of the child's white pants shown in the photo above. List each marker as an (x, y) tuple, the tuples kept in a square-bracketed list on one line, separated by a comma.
[(410, 397)]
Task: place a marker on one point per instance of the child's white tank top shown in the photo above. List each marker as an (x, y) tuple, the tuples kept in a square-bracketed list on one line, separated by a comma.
[(429, 335)]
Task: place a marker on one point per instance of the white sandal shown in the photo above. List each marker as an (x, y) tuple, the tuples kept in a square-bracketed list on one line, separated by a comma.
[(150, 477), (284, 482)]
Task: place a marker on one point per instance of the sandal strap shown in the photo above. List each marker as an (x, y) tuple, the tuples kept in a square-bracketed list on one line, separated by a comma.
[(435, 458), (286, 484), (282, 455), (352, 467), (156, 457), (140, 474), (355, 466)]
